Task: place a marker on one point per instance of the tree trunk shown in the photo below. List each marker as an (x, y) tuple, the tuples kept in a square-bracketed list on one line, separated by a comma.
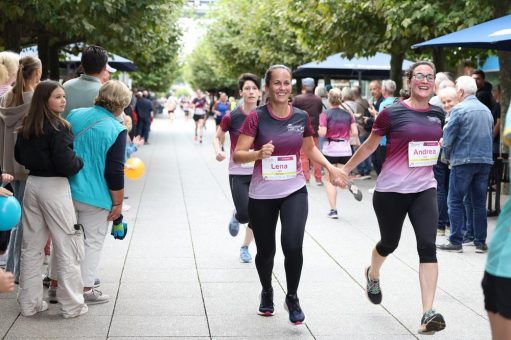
[(12, 36), (53, 62), (439, 59), (43, 49), (396, 70)]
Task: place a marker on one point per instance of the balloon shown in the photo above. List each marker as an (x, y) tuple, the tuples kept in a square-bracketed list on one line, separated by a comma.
[(134, 168), (10, 212)]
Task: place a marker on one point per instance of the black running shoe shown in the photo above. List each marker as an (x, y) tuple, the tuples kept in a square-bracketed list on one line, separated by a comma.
[(266, 306), (373, 289), (292, 305), (431, 322)]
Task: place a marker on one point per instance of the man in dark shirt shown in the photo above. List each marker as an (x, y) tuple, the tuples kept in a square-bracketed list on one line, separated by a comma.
[(313, 105), (483, 89), (144, 110)]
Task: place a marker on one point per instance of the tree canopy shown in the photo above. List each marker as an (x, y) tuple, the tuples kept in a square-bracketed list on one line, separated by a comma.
[(139, 30)]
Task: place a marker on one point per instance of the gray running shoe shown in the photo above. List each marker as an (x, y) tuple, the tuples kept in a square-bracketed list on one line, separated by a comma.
[(373, 289), (95, 296)]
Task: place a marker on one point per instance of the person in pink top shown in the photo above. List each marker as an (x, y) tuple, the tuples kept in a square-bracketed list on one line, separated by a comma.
[(407, 186), (276, 132), (239, 175), (336, 125)]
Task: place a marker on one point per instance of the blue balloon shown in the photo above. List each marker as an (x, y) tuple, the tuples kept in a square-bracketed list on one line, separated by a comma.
[(10, 212)]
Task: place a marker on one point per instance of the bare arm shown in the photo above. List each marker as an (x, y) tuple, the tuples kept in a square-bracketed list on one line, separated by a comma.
[(220, 134), (353, 130), (313, 153), (242, 153), (322, 131), (366, 149)]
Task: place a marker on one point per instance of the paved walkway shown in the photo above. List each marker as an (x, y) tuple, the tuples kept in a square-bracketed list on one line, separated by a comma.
[(178, 274)]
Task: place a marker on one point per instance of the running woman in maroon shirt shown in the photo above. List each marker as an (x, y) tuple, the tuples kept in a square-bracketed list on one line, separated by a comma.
[(407, 186), (239, 175), (277, 132)]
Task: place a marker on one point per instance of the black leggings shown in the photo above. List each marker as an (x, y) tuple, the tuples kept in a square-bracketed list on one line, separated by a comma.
[(422, 209), (239, 190), (263, 214)]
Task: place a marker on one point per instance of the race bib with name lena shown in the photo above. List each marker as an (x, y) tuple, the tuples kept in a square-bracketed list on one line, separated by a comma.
[(423, 153), (279, 168)]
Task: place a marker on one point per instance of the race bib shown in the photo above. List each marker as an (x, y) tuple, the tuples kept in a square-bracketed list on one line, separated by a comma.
[(279, 168), (423, 153)]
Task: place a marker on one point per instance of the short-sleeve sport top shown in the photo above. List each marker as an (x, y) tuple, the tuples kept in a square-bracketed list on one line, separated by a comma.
[(287, 136), (403, 124), (232, 123)]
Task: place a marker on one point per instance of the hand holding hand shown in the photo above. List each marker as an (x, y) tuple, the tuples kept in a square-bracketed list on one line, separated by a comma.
[(266, 150)]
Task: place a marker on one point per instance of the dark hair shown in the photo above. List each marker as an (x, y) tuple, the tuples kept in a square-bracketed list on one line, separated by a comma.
[(269, 71), (409, 72), (39, 112), (27, 66), (94, 59), (247, 77), (480, 73)]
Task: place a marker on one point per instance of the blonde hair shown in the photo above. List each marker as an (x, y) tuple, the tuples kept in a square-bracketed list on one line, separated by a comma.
[(334, 96), (113, 96), (346, 94), (27, 66), (8, 66)]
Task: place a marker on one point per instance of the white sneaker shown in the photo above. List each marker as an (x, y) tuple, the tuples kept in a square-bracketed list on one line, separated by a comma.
[(95, 296), (371, 190), (84, 310)]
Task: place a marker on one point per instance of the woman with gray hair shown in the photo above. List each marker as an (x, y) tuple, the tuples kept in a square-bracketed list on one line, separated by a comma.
[(98, 189)]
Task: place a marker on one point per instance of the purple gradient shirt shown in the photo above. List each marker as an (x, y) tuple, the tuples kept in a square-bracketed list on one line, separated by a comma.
[(403, 124), (338, 126), (287, 136), (232, 123)]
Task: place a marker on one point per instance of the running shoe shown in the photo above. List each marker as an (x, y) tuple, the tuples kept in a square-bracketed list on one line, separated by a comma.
[(333, 214), (319, 183), (364, 177), (97, 283), (95, 296), (440, 232), (84, 310), (52, 295), (234, 225), (371, 190), (373, 289), (481, 248), (266, 307), (456, 248), (292, 305), (431, 322), (245, 256)]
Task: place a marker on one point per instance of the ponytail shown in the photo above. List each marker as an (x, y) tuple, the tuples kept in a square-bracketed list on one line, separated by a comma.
[(26, 68)]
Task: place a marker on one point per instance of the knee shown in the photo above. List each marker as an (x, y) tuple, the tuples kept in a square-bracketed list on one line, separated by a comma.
[(427, 253), (387, 248)]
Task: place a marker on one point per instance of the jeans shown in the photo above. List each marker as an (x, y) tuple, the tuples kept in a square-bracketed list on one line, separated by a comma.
[(364, 168), (468, 179), (442, 172), (468, 227), (14, 249)]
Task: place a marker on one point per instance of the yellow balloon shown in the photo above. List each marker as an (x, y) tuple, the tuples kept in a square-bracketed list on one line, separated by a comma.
[(134, 168)]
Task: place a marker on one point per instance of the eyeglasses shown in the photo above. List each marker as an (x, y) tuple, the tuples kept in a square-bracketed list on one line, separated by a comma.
[(421, 76)]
